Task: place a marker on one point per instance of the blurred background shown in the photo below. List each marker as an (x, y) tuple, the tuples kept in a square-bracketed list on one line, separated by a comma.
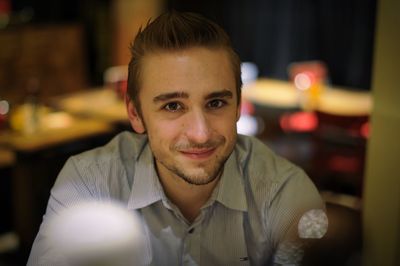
[(319, 78)]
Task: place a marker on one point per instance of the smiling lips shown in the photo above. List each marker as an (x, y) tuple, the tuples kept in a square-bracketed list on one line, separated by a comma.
[(198, 153)]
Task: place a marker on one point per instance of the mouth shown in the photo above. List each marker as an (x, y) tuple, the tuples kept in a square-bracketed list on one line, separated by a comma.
[(198, 153)]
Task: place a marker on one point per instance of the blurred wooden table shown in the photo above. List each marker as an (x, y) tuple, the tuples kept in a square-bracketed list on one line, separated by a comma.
[(333, 99), (101, 103), (34, 142), (7, 157), (36, 159)]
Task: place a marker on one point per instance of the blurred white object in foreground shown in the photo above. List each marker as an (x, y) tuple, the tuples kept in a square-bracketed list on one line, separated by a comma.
[(313, 224), (96, 233)]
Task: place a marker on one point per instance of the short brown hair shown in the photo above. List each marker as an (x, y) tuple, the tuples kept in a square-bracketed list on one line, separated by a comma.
[(177, 31)]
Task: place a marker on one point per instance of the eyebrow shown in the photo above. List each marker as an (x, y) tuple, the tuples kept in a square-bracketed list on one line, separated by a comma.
[(173, 95), (168, 96), (220, 94)]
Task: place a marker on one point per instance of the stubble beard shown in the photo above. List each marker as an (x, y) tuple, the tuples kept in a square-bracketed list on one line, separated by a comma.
[(201, 175), (198, 179)]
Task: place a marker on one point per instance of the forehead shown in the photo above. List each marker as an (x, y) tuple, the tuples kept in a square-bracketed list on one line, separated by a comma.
[(193, 70)]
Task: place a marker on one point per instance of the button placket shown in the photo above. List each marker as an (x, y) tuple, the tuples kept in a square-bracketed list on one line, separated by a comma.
[(192, 246)]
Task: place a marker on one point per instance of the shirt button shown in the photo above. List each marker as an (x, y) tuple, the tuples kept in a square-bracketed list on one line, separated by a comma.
[(191, 231)]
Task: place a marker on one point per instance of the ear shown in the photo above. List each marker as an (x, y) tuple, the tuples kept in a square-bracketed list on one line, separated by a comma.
[(238, 111), (134, 117)]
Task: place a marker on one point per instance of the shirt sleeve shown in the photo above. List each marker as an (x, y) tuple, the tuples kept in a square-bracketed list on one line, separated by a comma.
[(69, 188), (296, 215)]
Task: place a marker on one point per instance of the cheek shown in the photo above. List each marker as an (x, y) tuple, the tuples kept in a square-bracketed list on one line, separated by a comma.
[(225, 126), (163, 133)]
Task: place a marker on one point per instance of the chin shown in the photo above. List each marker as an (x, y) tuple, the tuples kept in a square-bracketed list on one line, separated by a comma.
[(198, 181), (200, 176)]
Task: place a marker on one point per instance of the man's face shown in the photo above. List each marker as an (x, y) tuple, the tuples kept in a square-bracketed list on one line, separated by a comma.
[(189, 111)]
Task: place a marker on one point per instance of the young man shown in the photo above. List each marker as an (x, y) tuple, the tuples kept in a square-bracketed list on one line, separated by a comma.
[(205, 195)]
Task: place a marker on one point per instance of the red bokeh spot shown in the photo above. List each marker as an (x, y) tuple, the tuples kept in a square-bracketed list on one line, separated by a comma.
[(365, 130), (299, 122)]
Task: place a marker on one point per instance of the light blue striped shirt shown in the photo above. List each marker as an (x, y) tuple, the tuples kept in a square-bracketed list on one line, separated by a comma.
[(251, 218)]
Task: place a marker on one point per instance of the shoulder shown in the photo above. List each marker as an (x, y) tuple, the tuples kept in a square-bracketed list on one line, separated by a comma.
[(260, 162), (124, 146), (103, 171), (267, 173), (278, 191)]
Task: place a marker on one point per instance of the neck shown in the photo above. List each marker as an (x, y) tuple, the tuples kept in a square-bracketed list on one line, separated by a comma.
[(187, 197)]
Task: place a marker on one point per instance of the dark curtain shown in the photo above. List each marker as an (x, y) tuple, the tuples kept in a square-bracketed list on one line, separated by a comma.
[(275, 33)]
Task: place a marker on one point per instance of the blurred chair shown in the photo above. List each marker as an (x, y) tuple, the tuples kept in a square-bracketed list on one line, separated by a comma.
[(339, 153), (340, 139)]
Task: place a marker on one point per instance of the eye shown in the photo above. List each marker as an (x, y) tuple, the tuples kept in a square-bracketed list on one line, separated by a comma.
[(215, 104), (173, 107)]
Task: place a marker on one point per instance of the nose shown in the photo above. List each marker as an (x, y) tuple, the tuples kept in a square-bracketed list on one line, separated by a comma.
[(197, 127)]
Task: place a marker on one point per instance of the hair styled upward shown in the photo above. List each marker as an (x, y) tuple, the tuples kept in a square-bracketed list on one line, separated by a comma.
[(174, 31)]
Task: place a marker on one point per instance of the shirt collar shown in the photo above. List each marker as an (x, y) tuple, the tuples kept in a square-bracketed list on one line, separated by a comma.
[(231, 191), (146, 187)]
